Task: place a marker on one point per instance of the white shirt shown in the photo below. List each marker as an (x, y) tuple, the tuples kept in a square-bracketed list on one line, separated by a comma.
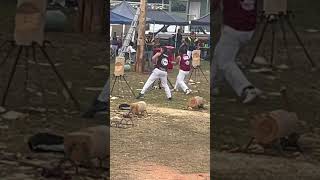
[(131, 50)]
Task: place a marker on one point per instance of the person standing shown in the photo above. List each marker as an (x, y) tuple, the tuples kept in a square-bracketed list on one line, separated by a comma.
[(239, 23), (192, 43), (159, 72), (132, 53), (149, 50), (114, 44), (185, 66), (178, 39)]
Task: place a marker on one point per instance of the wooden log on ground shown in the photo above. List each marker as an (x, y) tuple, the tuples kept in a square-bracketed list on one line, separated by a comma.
[(87, 144), (271, 126), (196, 102)]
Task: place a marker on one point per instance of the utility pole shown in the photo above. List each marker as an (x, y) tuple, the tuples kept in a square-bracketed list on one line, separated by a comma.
[(141, 37)]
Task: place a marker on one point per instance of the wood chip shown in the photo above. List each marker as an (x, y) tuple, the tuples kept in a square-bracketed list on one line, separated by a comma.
[(261, 70), (93, 88), (101, 67), (2, 109), (260, 60), (13, 115)]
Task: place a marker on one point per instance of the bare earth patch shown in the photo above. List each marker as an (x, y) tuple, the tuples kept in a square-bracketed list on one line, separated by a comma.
[(169, 144)]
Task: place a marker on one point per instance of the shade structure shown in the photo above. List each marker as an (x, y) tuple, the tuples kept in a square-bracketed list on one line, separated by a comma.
[(124, 9), (163, 17), (202, 21), (118, 19)]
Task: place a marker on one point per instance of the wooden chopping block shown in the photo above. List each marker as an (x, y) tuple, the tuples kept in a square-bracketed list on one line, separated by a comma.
[(101, 146), (77, 146), (138, 107), (271, 126), (88, 144), (196, 102)]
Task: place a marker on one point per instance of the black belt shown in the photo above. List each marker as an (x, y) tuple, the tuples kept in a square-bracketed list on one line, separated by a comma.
[(162, 69)]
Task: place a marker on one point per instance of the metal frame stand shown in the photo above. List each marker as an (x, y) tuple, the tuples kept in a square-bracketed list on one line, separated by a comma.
[(33, 46), (279, 18), (194, 71), (117, 79)]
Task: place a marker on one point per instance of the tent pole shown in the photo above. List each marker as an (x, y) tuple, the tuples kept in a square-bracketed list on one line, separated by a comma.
[(175, 41), (154, 24), (110, 31), (123, 28)]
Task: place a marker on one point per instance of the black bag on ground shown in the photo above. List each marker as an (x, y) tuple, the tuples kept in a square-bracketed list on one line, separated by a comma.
[(45, 142)]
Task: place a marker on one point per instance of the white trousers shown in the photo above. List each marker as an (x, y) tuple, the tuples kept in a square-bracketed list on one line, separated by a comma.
[(158, 74), (180, 80), (223, 66)]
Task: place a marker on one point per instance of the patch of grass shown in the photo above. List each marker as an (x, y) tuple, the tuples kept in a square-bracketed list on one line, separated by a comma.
[(7, 11), (157, 97), (307, 13)]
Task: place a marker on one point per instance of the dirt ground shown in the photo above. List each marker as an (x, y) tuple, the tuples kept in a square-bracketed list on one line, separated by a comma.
[(171, 142), (232, 119), (75, 56)]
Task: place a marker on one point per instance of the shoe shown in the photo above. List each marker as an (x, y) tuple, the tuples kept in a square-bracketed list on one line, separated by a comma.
[(188, 91), (250, 94), (170, 99), (140, 96)]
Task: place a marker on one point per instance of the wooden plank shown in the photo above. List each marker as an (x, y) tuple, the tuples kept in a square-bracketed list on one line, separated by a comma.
[(30, 21)]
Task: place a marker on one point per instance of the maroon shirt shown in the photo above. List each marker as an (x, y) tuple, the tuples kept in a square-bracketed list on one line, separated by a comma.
[(240, 14), (185, 62)]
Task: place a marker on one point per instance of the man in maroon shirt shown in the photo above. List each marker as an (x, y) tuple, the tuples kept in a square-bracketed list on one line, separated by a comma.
[(239, 23)]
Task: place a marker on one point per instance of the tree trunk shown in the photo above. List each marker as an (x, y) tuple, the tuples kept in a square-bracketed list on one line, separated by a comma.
[(91, 17), (141, 38)]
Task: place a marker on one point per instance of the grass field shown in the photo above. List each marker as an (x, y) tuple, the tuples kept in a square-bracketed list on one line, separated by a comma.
[(157, 97), (171, 137)]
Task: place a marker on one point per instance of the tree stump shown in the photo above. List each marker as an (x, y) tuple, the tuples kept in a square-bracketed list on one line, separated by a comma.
[(273, 125), (91, 16)]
